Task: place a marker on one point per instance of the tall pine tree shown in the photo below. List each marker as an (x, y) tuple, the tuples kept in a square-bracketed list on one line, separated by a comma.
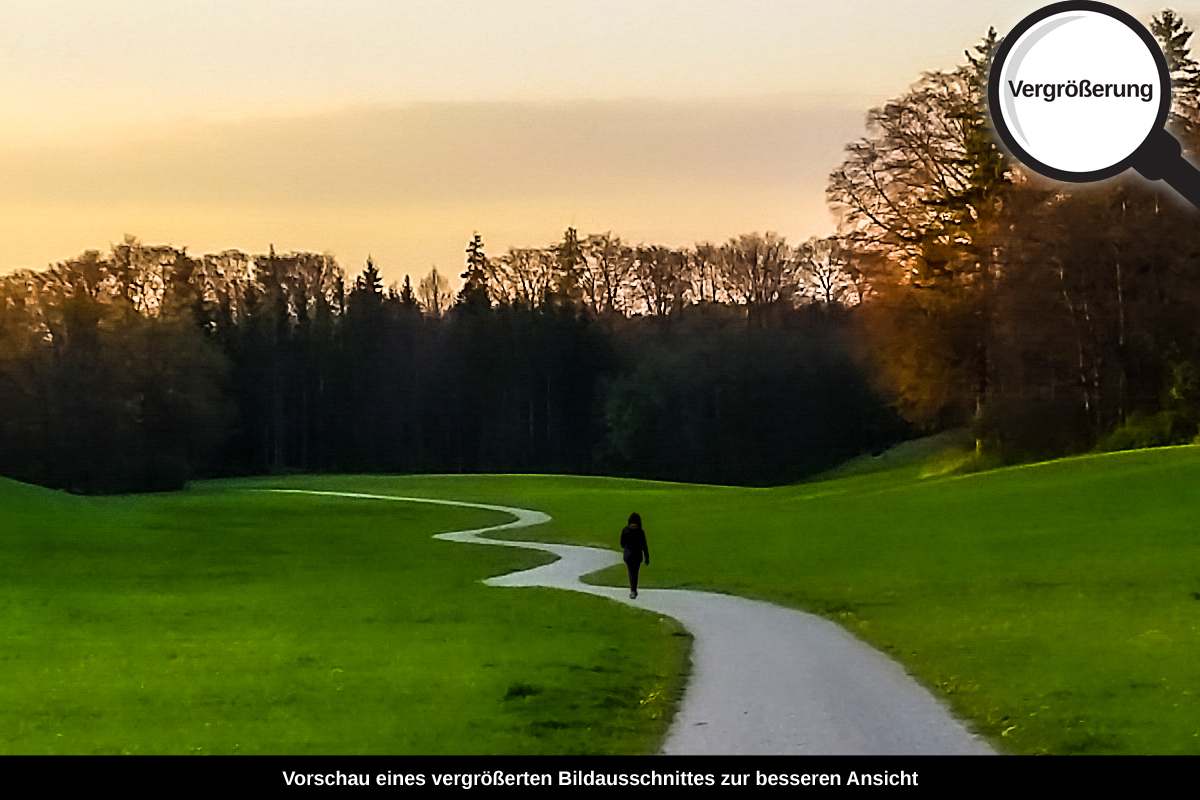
[(474, 293)]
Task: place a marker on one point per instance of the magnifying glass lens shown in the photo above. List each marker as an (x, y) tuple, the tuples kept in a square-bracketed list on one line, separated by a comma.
[(1080, 91)]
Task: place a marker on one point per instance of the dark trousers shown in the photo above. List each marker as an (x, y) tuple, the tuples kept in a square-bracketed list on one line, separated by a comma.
[(633, 563)]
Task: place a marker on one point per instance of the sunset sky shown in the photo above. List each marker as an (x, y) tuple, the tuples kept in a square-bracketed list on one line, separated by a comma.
[(397, 129)]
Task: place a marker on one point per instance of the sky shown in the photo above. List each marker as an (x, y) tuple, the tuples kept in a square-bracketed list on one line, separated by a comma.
[(396, 130)]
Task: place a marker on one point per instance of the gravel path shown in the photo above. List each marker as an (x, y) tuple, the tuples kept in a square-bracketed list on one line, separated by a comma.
[(766, 680)]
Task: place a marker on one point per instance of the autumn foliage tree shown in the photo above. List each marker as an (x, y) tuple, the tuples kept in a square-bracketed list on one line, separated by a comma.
[(108, 384), (919, 199), (1046, 316)]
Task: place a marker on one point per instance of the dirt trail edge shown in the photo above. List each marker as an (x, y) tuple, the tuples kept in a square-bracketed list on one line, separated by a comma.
[(766, 680)]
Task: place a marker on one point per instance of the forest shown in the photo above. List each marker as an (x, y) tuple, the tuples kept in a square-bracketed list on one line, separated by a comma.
[(958, 292)]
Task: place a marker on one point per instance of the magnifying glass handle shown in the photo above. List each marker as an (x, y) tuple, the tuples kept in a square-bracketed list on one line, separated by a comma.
[(1160, 158)]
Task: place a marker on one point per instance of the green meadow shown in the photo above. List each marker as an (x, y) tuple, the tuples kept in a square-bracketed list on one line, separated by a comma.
[(1053, 606), (226, 621)]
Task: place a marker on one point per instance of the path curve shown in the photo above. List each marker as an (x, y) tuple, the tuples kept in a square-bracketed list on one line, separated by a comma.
[(766, 680)]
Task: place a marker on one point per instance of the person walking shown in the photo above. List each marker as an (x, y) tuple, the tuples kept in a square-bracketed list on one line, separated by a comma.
[(633, 543)]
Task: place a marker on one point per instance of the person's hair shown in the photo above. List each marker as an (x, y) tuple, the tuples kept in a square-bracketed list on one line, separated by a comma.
[(634, 519)]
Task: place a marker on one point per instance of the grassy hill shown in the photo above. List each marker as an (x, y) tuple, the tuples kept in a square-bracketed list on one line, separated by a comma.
[(226, 621), (1054, 605)]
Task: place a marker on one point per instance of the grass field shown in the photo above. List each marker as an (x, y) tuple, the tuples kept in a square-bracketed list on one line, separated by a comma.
[(1054, 606), (226, 621)]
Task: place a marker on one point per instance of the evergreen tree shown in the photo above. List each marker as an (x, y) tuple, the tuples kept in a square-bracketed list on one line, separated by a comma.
[(474, 293), (1173, 35), (367, 295), (408, 298), (569, 263)]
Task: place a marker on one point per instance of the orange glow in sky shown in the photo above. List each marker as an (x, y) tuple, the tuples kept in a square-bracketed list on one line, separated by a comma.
[(397, 129)]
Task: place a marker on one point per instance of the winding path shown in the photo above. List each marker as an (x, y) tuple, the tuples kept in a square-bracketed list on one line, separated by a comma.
[(766, 680)]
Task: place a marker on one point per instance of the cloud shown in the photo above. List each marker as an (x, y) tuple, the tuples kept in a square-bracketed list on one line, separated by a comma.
[(442, 152), (409, 184)]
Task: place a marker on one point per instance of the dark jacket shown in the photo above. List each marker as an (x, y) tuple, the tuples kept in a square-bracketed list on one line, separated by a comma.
[(633, 542)]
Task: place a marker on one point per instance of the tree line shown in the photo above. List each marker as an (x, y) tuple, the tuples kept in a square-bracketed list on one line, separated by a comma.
[(1049, 318), (145, 366), (958, 291), (604, 275)]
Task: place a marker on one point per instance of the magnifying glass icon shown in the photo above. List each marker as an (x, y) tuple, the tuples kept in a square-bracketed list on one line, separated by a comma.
[(1079, 91)]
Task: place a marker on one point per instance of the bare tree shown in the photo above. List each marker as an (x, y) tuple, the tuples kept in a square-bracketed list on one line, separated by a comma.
[(606, 274), (823, 272), (757, 269), (660, 275), (224, 278), (434, 293), (522, 276), (706, 273)]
